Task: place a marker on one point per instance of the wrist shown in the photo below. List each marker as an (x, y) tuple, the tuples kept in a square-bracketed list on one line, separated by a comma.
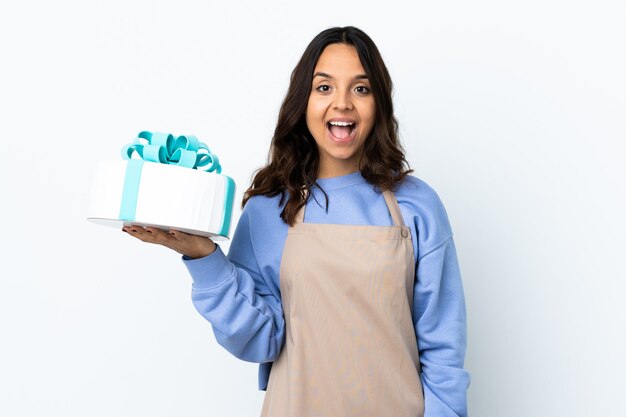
[(203, 250)]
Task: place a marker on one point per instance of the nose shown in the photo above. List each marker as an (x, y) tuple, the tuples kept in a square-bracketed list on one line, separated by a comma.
[(342, 100)]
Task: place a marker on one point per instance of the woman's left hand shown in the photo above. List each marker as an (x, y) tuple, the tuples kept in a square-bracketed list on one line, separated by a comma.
[(189, 245)]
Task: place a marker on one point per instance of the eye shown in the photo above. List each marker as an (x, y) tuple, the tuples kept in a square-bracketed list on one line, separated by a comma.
[(323, 88), (362, 89)]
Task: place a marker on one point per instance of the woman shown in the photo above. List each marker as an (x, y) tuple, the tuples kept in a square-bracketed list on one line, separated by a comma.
[(342, 279)]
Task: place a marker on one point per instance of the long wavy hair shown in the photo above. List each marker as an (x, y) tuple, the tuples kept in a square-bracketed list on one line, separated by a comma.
[(293, 159)]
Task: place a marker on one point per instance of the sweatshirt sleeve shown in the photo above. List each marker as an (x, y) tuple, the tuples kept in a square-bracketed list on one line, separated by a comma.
[(232, 294), (440, 323)]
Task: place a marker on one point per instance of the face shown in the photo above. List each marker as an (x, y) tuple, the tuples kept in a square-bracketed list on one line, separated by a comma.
[(341, 109)]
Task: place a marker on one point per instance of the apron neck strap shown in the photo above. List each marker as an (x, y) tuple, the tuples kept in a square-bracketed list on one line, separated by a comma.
[(394, 208)]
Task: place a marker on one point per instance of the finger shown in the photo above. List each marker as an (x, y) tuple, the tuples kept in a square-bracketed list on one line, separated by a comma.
[(138, 232), (131, 230), (158, 236), (178, 234), (171, 239), (145, 235)]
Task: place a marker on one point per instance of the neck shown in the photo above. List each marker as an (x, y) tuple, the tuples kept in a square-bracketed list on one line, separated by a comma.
[(336, 170)]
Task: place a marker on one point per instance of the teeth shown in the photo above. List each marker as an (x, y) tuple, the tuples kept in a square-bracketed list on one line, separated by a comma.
[(341, 123)]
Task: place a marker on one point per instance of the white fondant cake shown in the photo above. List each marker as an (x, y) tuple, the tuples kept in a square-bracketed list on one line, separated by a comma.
[(138, 192)]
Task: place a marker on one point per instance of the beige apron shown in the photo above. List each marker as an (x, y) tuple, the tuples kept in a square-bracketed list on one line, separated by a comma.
[(350, 349)]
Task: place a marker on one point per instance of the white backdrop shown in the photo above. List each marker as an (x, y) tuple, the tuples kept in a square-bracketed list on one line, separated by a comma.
[(512, 111)]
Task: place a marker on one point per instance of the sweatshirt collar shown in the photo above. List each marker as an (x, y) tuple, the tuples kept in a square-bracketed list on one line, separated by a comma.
[(333, 183)]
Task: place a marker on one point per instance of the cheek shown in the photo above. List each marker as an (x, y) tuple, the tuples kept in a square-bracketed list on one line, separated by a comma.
[(370, 116), (372, 111), (314, 115)]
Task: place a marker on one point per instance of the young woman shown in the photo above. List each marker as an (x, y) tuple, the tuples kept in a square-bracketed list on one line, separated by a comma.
[(342, 279)]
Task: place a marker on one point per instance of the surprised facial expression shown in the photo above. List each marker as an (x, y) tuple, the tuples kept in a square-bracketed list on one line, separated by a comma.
[(341, 109)]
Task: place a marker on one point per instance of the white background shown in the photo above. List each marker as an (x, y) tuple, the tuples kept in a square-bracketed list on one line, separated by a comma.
[(512, 111)]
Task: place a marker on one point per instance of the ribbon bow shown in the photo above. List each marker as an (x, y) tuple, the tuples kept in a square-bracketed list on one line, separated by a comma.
[(185, 151)]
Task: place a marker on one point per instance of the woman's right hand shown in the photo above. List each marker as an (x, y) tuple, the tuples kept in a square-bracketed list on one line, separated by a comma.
[(189, 245)]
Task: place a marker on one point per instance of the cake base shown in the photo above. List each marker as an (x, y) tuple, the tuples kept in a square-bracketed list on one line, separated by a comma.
[(118, 224)]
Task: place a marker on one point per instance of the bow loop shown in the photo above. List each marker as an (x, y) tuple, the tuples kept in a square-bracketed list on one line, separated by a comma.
[(164, 148)]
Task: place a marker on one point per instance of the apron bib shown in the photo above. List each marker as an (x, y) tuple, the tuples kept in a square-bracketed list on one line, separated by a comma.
[(350, 348)]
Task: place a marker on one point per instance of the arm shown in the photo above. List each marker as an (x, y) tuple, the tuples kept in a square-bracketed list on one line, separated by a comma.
[(440, 323), (231, 293)]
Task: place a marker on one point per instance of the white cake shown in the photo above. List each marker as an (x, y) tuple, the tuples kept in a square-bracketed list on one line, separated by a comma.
[(163, 195)]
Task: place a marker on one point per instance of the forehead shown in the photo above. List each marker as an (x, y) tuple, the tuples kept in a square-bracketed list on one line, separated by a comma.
[(339, 59)]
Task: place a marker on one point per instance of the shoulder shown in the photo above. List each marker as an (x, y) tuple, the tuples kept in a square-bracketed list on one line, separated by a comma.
[(421, 204), (261, 207), (259, 229), (418, 192), (261, 216)]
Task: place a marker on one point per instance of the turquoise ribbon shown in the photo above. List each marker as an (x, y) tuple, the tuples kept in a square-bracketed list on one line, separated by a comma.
[(228, 206), (185, 151), (132, 178)]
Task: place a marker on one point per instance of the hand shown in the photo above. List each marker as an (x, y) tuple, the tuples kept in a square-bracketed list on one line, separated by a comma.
[(189, 245)]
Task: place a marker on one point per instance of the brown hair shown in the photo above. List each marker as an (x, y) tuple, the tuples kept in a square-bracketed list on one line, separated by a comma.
[(293, 159)]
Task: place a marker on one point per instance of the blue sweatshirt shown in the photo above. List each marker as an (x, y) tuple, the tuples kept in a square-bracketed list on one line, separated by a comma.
[(239, 294)]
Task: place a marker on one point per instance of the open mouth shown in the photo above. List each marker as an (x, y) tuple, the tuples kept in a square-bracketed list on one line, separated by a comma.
[(341, 131)]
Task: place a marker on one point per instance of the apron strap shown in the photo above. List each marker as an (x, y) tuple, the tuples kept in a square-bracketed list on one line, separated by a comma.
[(394, 209)]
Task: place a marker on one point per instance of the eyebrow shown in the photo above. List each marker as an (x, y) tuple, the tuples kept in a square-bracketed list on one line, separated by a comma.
[(323, 74)]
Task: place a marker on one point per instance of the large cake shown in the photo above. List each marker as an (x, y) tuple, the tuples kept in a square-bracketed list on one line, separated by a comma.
[(164, 181)]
